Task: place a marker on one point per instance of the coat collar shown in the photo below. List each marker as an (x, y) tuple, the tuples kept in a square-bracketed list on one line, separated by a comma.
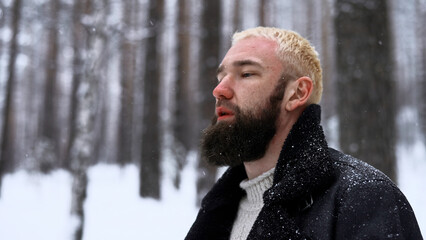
[(303, 170), (303, 167)]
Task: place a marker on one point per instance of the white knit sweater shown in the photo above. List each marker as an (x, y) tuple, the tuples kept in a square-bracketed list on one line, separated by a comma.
[(251, 204)]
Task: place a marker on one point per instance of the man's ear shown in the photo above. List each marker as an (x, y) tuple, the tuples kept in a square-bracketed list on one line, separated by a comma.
[(300, 91)]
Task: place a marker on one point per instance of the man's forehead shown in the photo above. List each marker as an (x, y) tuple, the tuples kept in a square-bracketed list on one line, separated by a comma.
[(256, 51), (240, 63), (253, 47)]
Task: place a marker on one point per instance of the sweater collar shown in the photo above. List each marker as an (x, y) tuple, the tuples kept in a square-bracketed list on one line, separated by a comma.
[(256, 187)]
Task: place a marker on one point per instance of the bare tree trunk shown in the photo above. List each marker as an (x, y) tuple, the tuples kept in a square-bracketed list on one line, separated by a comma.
[(422, 74), (83, 113), (365, 88), (101, 143), (2, 21), (150, 184), (237, 20), (80, 37), (128, 73), (263, 14), (8, 128), (209, 59), (184, 133), (327, 61), (49, 125), (82, 149)]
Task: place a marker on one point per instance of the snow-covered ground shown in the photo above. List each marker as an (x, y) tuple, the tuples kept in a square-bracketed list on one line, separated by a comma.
[(412, 178), (35, 206)]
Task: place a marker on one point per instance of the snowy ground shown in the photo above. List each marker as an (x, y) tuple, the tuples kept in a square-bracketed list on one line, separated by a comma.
[(412, 179), (34, 206)]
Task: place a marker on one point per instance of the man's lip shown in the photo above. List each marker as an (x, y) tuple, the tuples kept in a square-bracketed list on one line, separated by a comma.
[(223, 112)]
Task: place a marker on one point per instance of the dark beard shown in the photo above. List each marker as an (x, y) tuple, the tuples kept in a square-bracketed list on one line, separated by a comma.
[(246, 138)]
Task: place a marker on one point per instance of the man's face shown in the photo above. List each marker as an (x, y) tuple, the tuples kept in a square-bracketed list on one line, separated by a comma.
[(247, 75), (248, 100)]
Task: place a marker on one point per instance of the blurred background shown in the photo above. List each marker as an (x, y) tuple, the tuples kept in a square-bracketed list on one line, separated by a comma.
[(102, 104)]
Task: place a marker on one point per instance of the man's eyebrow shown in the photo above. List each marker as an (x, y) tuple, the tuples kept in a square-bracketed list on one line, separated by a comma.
[(239, 64)]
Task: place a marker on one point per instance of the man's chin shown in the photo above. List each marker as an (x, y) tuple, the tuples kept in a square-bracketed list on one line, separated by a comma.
[(230, 161), (223, 163)]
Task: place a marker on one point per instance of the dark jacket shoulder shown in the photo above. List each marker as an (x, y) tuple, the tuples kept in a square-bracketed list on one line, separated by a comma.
[(354, 170), (368, 204)]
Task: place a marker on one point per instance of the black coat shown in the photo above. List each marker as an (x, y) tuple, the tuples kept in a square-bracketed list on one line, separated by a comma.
[(317, 193)]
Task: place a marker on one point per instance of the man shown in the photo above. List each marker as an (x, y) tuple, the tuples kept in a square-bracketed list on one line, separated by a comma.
[(283, 181)]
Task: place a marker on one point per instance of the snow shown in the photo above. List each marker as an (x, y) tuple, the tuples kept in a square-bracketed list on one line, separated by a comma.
[(35, 206), (115, 211), (412, 178)]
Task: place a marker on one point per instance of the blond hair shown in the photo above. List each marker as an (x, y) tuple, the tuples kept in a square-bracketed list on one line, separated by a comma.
[(297, 54)]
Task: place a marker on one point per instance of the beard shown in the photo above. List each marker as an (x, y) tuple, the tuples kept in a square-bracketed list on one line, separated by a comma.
[(246, 138)]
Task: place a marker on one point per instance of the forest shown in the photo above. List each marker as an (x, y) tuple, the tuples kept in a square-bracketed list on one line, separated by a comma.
[(84, 82)]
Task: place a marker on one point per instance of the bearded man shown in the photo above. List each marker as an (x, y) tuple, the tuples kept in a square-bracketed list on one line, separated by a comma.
[(284, 182)]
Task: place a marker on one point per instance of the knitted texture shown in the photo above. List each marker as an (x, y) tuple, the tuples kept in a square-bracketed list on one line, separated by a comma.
[(251, 204)]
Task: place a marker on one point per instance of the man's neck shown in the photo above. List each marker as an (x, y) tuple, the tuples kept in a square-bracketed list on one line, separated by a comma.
[(270, 159), (267, 162)]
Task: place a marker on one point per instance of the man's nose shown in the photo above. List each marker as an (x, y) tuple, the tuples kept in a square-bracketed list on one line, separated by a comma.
[(223, 90)]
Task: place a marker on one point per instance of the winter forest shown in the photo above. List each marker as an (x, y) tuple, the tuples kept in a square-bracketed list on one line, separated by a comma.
[(91, 89)]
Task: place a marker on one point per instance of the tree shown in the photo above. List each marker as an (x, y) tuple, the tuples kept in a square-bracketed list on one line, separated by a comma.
[(150, 161), (209, 59), (236, 16), (128, 74), (83, 111), (365, 88), (101, 149), (327, 61), (8, 128), (79, 36), (2, 23), (49, 117), (422, 73), (263, 13), (184, 134)]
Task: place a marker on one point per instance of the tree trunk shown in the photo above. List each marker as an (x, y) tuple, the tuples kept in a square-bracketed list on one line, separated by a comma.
[(2, 23), (263, 13), (422, 73), (101, 148), (236, 16), (328, 61), (209, 60), (82, 137), (8, 128), (150, 162), (365, 88), (49, 128), (80, 37), (184, 134), (128, 73)]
